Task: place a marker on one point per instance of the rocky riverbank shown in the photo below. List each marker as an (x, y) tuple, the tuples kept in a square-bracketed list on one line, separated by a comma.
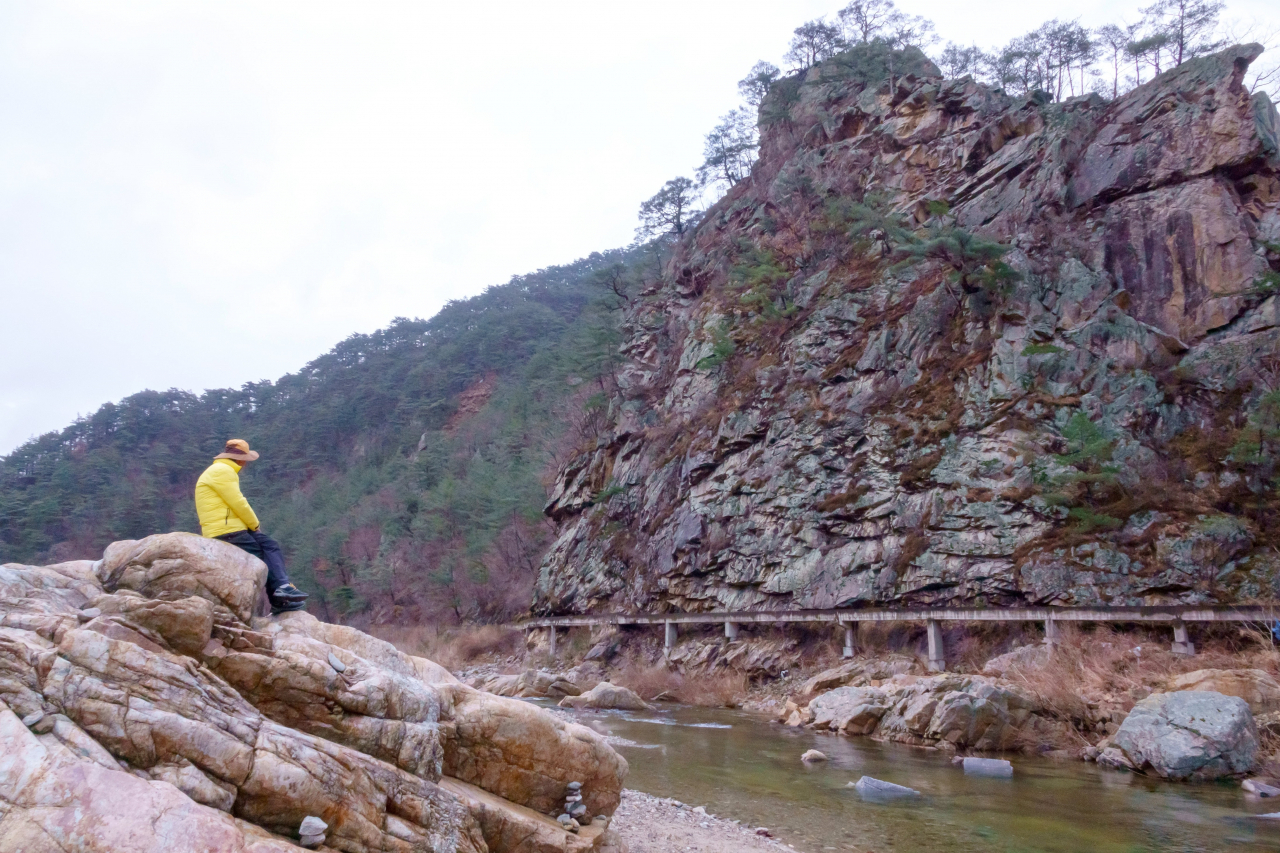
[(143, 705), (1093, 695)]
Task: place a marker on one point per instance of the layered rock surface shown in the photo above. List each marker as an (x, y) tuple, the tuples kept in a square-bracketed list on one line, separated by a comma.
[(146, 681), (948, 710), (1188, 734), (806, 419)]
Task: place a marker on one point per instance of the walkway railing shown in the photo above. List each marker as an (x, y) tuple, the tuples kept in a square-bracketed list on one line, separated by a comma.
[(1175, 616)]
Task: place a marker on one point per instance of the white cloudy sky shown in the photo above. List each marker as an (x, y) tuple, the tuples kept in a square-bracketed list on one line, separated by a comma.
[(197, 195)]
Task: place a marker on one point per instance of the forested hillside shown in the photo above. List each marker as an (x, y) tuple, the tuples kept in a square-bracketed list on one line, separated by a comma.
[(901, 270), (403, 470)]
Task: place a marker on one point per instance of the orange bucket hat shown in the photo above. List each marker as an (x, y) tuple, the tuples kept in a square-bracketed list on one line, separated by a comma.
[(238, 449)]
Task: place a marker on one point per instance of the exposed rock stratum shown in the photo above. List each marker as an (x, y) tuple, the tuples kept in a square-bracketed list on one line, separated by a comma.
[(807, 415), (144, 708)]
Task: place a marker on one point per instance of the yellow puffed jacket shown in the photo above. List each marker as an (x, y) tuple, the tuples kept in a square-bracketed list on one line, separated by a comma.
[(219, 505)]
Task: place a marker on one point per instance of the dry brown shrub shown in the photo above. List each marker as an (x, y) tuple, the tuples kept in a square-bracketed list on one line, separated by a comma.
[(1120, 667), (716, 689), (452, 648), (647, 680)]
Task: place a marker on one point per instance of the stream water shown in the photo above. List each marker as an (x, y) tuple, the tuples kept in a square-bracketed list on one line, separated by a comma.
[(741, 766)]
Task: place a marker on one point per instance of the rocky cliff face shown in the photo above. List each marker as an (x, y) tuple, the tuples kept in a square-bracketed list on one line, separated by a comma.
[(142, 707), (844, 393)]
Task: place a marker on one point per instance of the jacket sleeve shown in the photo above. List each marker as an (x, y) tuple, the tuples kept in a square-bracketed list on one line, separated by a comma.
[(228, 488)]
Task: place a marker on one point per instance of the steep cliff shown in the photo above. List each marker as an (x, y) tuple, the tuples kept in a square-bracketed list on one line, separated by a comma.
[(947, 345)]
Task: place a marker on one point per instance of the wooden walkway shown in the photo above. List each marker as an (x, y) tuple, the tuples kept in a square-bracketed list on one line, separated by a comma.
[(1173, 616)]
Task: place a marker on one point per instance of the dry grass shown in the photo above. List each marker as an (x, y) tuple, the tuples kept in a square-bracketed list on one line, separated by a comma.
[(452, 648), (718, 689), (1109, 669)]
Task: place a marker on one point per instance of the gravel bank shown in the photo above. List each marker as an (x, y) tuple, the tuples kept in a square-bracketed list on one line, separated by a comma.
[(653, 825)]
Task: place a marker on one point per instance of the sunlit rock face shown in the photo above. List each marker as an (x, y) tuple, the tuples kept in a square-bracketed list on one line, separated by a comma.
[(809, 415), (138, 710)]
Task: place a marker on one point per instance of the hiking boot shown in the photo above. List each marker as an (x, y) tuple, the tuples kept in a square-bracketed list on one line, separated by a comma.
[(278, 607), (288, 592)]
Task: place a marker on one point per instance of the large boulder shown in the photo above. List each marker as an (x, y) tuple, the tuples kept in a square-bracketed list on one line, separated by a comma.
[(184, 625), (54, 800), (961, 711), (237, 731), (170, 566), (1193, 734), (1021, 660), (858, 673), (530, 683), (523, 754), (850, 710), (1254, 686), (607, 696)]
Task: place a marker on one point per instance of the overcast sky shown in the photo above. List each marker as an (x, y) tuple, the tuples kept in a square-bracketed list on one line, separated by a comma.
[(197, 195)]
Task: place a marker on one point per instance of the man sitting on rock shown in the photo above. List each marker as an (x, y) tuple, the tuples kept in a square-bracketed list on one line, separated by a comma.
[(225, 514)]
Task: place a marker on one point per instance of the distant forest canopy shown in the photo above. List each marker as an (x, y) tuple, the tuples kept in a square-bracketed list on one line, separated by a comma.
[(403, 471), (1057, 60)]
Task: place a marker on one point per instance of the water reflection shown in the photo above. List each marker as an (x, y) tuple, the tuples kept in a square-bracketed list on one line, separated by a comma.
[(740, 766)]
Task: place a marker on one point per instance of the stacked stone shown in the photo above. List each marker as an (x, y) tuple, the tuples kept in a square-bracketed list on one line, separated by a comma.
[(311, 832), (575, 811)]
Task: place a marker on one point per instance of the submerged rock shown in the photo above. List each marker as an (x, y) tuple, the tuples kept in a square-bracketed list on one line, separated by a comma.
[(813, 755), (872, 788), (1186, 735), (997, 767)]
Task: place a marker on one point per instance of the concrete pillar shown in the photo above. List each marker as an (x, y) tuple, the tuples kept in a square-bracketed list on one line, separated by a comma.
[(670, 640), (552, 629), (848, 641), (731, 631), (1181, 640), (937, 654), (1052, 635)]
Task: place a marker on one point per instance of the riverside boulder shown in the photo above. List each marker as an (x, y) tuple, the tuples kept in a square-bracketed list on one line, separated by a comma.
[(251, 728), (949, 710), (605, 695), (1254, 686), (1191, 735)]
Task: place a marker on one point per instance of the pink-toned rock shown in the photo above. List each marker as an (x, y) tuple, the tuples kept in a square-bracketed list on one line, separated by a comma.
[(171, 566)]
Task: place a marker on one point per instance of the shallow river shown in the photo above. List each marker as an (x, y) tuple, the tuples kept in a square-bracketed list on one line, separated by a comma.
[(740, 766)]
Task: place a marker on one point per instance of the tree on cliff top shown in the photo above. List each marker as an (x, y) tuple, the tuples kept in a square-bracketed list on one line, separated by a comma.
[(671, 210), (813, 42)]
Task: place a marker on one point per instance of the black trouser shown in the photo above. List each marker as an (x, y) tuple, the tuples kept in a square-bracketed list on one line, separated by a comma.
[(265, 549)]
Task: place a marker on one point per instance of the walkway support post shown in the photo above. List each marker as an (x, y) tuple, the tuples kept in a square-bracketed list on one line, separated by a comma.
[(670, 640), (848, 641), (1052, 634), (937, 654), (731, 631), (552, 635), (1181, 640)]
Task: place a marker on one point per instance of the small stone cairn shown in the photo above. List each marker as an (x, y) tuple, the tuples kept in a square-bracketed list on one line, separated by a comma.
[(575, 811)]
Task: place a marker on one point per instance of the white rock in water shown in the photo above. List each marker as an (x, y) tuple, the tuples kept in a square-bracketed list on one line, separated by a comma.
[(813, 755), (312, 825), (988, 767), (868, 786), (337, 665), (1255, 786)]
